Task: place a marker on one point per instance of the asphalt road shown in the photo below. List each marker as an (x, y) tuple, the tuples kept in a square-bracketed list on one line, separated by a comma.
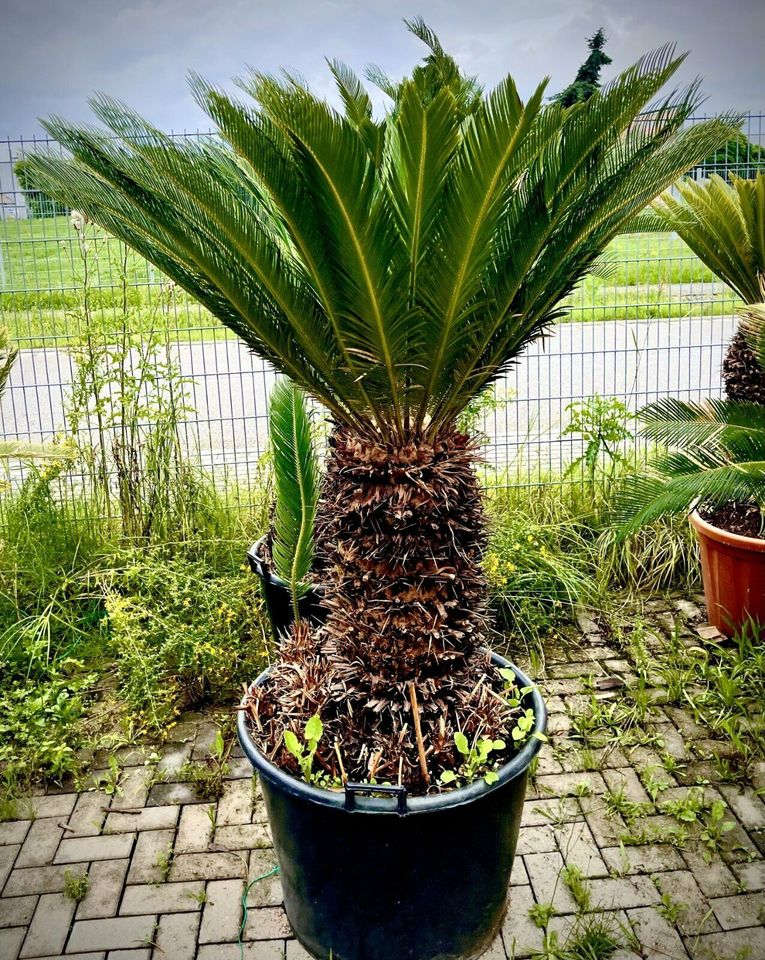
[(634, 360)]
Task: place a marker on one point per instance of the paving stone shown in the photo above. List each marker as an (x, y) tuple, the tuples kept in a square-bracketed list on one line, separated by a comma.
[(657, 936), (162, 898), (267, 923), (570, 784), (8, 855), (746, 805), (296, 951), (133, 788), (686, 724), (58, 805), (544, 870), (148, 848), (577, 844), (173, 759), (194, 829), (132, 756), (496, 951), (238, 768), (520, 935), (244, 836), (176, 936), (539, 812), (623, 892), (714, 878), (114, 933), (17, 911), (88, 815), (95, 848), (743, 910), (518, 875), (696, 915), (10, 942), (536, 840), (751, 876), (162, 794), (265, 892), (235, 804), (50, 925), (255, 950), (643, 858), (41, 844), (205, 738), (150, 818), (626, 780), (222, 914), (729, 945), (144, 954), (207, 866), (13, 832), (106, 881), (36, 880), (607, 826)]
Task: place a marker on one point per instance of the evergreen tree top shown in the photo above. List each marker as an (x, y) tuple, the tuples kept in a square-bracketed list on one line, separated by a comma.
[(587, 79)]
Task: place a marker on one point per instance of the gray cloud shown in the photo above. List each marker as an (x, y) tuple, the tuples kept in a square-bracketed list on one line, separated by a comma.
[(54, 54)]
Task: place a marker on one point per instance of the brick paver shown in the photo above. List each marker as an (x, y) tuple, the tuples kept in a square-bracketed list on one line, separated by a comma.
[(167, 870)]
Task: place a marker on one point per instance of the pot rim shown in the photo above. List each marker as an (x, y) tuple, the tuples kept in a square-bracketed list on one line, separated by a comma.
[(753, 544), (516, 766), (261, 569)]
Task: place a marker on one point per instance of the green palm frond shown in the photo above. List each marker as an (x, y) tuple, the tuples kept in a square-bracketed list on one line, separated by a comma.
[(724, 224), (716, 455), (296, 474), (391, 268)]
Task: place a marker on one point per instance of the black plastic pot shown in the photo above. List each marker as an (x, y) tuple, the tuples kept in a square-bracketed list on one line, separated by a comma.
[(277, 595), (399, 878)]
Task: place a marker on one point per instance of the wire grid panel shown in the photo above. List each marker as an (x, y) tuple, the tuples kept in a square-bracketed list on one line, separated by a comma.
[(655, 324)]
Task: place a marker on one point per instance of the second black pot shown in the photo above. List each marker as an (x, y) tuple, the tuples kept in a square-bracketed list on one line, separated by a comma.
[(277, 595), (376, 878)]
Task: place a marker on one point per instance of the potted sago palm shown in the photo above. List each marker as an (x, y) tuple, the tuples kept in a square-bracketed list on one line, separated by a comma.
[(716, 463), (283, 558), (392, 267), (714, 466)]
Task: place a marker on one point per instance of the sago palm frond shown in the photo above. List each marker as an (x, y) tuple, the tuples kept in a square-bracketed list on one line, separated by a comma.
[(716, 455), (296, 477), (392, 268), (724, 224)]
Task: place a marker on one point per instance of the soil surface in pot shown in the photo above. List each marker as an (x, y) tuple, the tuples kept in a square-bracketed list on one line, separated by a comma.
[(743, 519), (366, 743)]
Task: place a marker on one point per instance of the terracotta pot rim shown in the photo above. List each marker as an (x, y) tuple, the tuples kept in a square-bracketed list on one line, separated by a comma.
[(755, 544)]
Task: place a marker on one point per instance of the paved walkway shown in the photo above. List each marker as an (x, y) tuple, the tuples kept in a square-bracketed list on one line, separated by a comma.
[(167, 870)]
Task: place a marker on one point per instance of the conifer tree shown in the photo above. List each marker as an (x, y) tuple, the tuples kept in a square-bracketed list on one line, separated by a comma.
[(588, 76)]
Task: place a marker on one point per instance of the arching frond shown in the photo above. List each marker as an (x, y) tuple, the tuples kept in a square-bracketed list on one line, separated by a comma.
[(392, 268), (724, 224)]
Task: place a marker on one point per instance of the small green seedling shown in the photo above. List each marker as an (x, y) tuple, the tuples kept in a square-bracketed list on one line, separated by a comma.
[(305, 752), (514, 697), (476, 757)]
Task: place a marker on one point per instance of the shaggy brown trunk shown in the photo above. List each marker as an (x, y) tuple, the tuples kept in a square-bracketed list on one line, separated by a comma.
[(743, 376), (401, 532)]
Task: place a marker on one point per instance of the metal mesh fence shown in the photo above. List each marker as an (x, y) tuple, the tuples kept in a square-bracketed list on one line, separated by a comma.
[(657, 324)]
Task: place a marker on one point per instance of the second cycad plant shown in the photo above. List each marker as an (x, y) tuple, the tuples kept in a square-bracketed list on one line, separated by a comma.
[(297, 480)]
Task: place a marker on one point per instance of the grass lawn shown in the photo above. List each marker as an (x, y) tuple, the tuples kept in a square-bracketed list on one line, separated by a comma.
[(42, 276)]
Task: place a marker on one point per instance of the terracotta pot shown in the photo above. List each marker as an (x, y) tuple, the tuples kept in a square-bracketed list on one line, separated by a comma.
[(733, 568)]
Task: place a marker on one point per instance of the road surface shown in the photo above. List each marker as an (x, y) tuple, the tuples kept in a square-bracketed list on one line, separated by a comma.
[(635, 360)]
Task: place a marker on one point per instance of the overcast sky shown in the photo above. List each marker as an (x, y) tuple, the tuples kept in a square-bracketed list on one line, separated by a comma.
[(55, 53)]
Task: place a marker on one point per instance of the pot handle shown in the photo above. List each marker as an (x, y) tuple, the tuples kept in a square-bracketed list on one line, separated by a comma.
[(351, 789)]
